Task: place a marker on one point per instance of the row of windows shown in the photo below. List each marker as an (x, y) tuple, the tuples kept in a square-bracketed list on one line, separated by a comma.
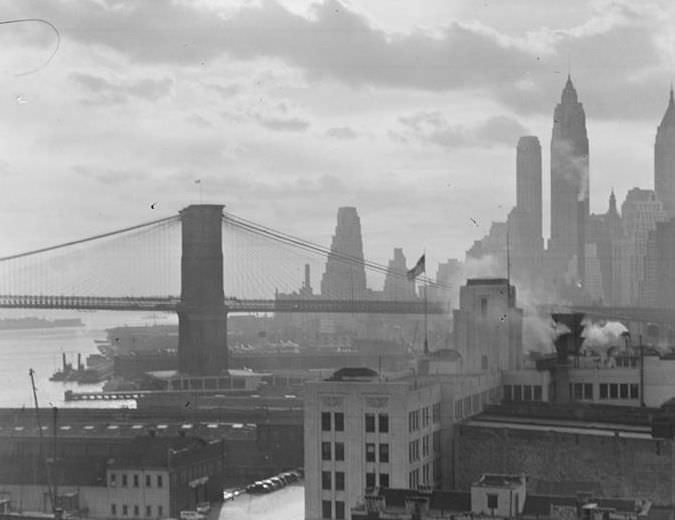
[(523, 393), (434, 468), (475, 403), (383, 452), (339, 421), (327, 451), (382, 422), (136, 479), (371, 483), (414, 422), (327, 509), (327, 480), (585, 391), (136, 511)]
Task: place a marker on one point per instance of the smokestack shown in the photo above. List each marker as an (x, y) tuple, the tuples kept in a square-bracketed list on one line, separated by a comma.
[(63, 360), (79, 361), (307, 277)]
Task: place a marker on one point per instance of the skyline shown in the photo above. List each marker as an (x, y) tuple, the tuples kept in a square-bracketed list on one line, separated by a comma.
[(282, 136)]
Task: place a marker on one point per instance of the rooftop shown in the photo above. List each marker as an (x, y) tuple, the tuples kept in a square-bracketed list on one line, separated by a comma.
[(503, 481)]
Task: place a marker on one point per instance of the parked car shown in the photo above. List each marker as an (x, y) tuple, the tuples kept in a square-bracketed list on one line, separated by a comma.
[(229, 495), (191, 515), (203, 508), (278, 482)]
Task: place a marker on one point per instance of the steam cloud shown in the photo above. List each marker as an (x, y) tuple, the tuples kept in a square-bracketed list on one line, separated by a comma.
[(603, 335)]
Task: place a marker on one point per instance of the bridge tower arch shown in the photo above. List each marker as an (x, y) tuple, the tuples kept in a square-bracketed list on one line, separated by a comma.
[(202, 315)]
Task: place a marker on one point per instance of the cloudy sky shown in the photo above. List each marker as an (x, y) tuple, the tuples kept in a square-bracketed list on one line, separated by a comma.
[(288, 109)]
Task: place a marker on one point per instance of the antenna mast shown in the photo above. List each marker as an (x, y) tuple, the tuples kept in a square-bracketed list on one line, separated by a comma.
[(31, 373)]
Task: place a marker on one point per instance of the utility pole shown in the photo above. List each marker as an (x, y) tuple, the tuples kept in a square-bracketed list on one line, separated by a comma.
[(642, 373)]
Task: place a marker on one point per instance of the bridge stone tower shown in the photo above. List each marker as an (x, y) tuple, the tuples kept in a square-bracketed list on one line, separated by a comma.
[(202, 316)]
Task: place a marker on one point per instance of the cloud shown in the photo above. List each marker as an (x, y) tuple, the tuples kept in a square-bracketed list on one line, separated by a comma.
[(227, 91), (341, 132), (106, 92), (433, 128), (283, 125)]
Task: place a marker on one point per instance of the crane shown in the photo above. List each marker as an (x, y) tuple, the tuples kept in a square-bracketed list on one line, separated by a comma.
[(51, 489)]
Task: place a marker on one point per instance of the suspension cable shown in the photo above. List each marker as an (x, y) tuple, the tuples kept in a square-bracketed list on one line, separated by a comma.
[(89, 239)]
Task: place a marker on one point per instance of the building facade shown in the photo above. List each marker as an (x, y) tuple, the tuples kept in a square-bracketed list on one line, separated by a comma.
[(664, 159)]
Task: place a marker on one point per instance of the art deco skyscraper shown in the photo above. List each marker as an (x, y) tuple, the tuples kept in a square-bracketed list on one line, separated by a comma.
[(345, 276), (664, 159), (569, 184)]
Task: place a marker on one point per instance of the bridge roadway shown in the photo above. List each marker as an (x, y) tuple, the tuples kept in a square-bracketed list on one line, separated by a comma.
[(660, 315), (232, 305)]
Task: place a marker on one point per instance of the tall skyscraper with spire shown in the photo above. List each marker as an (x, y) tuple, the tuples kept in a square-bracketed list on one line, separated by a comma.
[(569, 186), (345, 275), (664, 159)]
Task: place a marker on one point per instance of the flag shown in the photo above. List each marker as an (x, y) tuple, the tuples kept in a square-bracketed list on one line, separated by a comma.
[(198, 181), (418, 269)]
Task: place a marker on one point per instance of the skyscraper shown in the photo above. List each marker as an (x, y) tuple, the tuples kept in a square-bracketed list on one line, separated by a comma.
[(525, 227), (664, 159), (569, 185), (396, 284), (345, 276)]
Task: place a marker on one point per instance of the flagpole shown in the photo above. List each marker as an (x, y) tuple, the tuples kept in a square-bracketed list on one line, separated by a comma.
[(426, 290)]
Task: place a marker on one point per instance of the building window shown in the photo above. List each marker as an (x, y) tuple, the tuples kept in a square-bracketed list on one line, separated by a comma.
[(125, 510), (325, 421), (604, 391), (383, 419), (124, 480), (339, 422), (113, 509), (623, 391), (384, 452), (588, 391), (578, 391), (483, 307), (326, 509), (137, 511), (425, 446), (384, 480), (325, 451), (370, 452), (425, 417), (484, 362), (613, 391), (113, 479), (517, 393), (148, 511), (527, 393), (508, 393), (148, 481), (370, 422), (425, 474), (160, 482), (160, 511), (370, 480), (339, 480), (634, 391), (436, 413), (437, 441), (492, 501), (339, 510), (136, 480), (339, 451), (537, 392), (325, 480)]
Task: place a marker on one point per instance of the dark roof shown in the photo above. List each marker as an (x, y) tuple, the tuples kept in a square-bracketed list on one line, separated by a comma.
[(459, 501), (563, 488), (486, 281), (660, 513), (494, 480), (351, 373), (541, 504)]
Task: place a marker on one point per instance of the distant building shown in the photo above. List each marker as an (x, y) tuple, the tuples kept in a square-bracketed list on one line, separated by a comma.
[(525, 221), (396, 284), (602, 232), (488, 326), (663, 281), (345, 275), (493, 244), (640, 213), (495, 496), (664, 159), (569, 187)]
